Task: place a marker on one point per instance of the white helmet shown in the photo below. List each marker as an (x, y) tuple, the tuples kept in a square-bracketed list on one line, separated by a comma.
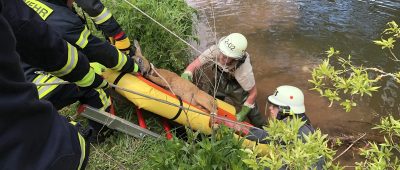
[(289, 96), (234, 45)]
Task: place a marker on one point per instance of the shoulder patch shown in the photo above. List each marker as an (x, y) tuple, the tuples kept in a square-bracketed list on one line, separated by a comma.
[(43, 10)]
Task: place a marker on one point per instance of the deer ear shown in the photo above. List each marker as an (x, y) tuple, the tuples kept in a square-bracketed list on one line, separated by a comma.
[(138, 50)]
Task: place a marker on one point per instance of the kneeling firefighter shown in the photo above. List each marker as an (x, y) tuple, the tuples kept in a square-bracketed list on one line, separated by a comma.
[(284, 104), (33, 135), (234, 75), (65, 21)]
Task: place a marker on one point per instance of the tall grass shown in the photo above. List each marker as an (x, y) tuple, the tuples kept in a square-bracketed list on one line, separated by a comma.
[(160, 47), (121, 151)]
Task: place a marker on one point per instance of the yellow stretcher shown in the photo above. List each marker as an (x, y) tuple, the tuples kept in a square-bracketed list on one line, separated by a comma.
[(184, 117)]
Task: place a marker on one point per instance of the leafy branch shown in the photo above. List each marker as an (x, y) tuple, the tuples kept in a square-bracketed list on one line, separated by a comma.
[(347, 82), (384, 155), (287, 150)]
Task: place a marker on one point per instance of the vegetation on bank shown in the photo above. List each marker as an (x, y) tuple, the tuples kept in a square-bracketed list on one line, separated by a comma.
[(222, 151), (161, 48), (339, 80)]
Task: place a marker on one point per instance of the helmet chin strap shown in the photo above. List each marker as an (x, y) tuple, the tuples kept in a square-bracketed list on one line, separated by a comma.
[(280, 116), (284, 111)]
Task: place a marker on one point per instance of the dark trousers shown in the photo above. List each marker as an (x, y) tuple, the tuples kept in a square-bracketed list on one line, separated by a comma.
[(230, 90)]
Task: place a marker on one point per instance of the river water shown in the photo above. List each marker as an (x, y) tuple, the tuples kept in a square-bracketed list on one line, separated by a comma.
[(287, 38)]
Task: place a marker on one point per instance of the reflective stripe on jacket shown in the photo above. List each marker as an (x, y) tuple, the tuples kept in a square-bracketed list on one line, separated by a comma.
[(33, 135), (101, 16), (72, 29)]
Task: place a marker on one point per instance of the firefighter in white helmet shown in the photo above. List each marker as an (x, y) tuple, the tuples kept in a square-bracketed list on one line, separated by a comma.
[(285, 103), (235, 76)]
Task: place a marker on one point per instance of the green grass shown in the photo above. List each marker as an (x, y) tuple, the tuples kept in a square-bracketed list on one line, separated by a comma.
[(164, 51), (121, 151), (159, 46)]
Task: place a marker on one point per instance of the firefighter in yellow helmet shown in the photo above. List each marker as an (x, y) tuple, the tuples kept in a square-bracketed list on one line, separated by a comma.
[(236, 73)]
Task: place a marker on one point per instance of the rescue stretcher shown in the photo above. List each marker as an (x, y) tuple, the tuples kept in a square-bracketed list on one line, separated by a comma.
[(172, 106)]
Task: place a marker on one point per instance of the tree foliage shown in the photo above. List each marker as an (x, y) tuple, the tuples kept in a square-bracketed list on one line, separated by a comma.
[(384, 155), (339, 80), (345, 82)]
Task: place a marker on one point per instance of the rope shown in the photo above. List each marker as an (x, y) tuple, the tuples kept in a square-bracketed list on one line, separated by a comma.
[(213, 115), (181, 107), (148, 16), (161, 101), (161, 25), (159, 75), (152, 68)]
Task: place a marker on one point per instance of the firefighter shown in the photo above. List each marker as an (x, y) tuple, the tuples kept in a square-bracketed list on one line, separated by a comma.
[(36, 39), (63, 19), (287, 102), (234, 75), (284, 104), (33, 135)]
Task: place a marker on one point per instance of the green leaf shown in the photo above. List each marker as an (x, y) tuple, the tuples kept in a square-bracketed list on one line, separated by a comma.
[(331, 52)]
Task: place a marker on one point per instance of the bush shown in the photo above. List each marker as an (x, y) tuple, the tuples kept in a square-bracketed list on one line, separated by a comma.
[(161, 48), (348, 82), (383, 155), (287, 150), (200, 152), (339, 80)]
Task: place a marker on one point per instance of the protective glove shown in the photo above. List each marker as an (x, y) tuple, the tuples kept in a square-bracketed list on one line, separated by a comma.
[(188, 75), (123, 44), (98, 68), (241, 116)]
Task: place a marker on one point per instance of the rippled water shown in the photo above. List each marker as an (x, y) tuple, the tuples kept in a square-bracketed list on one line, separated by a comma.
[(288, 37)]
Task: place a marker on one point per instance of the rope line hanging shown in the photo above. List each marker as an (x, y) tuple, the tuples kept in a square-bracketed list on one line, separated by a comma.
[(215, 38), (184, 108), (194, 48), (171, 32)]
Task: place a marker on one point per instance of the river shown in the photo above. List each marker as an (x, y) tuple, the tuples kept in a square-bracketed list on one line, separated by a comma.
[(287, 38)]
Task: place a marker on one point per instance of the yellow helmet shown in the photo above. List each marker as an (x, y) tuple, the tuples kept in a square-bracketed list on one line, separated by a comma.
[(234, 45)]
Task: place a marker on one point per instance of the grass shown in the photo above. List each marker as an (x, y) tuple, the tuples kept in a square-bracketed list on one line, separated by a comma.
[(159, 46), (121, 151)]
